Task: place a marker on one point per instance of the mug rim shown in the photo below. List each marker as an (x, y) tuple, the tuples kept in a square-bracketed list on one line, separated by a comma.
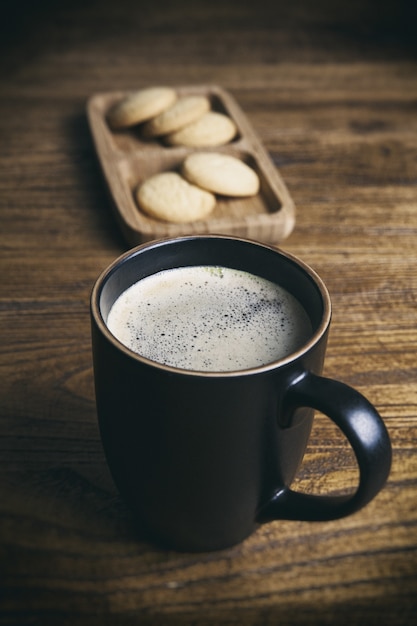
[(316, 336)]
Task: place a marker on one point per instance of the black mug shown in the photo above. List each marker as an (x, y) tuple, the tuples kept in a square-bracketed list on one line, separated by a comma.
[(203, 458)]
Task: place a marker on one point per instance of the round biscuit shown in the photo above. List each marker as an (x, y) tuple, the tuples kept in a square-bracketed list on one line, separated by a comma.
[(140, 106), (168, 196), (184, 111), (221, 173), (212, 129)]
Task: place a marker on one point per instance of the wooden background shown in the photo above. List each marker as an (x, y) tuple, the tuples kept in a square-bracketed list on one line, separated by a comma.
[(331, 90)]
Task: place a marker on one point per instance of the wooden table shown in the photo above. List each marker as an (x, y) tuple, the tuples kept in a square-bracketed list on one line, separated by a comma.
[(332, 93)]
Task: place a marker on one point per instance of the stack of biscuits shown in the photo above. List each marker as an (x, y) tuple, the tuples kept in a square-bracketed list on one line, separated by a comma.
[(190, 193)]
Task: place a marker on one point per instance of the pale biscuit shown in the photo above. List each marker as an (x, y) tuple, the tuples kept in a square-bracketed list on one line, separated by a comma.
[(168, 196), (141, 106), (221, 173), (184, 111), (212, 129)]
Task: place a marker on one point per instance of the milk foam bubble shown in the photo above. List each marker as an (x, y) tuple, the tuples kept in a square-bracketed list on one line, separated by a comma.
[(208, 318)]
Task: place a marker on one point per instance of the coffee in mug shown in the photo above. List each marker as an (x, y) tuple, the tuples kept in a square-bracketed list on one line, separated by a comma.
[(204, 446), (208, 318)]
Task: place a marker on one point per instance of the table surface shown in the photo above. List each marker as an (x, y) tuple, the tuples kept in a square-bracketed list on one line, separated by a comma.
[(332, 94)]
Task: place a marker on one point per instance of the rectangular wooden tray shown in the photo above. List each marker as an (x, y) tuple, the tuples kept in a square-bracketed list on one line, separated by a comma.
[(126, 160)]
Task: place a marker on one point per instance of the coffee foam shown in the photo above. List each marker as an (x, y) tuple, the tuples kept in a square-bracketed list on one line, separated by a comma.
[(209, 319)]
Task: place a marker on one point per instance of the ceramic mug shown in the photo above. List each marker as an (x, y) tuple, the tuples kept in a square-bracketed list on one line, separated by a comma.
[(203, 458)]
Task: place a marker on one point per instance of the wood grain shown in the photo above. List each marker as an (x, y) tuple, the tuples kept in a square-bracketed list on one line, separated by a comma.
[(331, 90)]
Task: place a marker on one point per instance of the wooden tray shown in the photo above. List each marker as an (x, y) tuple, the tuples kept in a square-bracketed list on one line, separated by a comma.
[(126, 160)]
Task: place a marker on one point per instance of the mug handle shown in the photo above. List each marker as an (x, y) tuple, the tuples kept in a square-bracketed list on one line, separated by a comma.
[(365, 431)]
